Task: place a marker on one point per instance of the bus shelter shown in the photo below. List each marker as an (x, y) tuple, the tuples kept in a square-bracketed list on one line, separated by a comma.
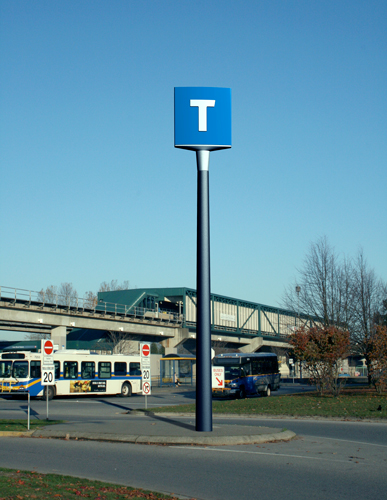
[(177, 367)]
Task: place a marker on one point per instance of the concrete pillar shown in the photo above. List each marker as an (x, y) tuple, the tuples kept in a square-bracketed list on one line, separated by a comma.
[(58, 336), (171, 344), (254, 345)]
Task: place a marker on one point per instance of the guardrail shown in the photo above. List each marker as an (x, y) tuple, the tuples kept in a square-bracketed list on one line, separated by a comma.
[(63, 303)]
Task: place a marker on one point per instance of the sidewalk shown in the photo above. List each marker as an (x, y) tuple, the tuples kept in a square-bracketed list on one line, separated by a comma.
[(148, 428)]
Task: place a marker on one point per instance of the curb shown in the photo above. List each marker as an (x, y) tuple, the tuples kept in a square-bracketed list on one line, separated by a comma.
[(169, 440), (266, 416), (16, 433)]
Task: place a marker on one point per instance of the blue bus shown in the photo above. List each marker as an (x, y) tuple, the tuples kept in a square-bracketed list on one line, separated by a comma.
[(248, 374)]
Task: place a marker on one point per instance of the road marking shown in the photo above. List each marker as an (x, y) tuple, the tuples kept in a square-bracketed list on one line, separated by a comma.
[(260, 453), (345, 441)]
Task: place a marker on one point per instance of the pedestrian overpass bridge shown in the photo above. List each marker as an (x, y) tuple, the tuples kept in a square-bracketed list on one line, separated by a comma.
[(165, 315)]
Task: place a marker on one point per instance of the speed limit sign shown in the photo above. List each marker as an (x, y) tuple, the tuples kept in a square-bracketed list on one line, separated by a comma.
[(48, 375)]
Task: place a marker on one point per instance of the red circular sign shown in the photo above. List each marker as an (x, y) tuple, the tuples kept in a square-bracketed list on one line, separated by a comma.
[(145, 350), (146, 387), (48, 347)]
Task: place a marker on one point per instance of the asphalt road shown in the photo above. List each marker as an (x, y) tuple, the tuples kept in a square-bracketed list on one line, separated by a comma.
[(338, 460), (308, 467)]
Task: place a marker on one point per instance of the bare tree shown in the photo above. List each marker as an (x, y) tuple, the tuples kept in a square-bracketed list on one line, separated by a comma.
[(113, 286), (49, 295), (90, 300), (342, 293), (367, 306), (220, 347), (67, 295), (121, 343), (324, 288)]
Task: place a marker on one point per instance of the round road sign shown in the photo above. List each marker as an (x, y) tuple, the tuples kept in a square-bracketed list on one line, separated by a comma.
[(146, 387), (48, 347), (145, 350)]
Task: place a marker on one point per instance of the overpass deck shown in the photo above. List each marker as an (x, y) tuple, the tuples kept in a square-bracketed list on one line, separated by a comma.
[(24, 310)]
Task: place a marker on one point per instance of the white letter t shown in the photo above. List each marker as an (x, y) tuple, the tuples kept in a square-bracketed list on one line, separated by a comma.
[(202, 104)]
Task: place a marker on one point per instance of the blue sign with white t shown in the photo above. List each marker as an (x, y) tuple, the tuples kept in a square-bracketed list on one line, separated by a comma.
[(202, 118)]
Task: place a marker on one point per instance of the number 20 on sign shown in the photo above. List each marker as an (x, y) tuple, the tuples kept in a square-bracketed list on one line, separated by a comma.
[(48, 375)]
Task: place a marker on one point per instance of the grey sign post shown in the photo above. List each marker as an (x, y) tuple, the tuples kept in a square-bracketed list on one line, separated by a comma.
[(203, 124)]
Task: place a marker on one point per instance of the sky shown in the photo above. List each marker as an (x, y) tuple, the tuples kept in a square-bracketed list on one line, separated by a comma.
[(92, 188)]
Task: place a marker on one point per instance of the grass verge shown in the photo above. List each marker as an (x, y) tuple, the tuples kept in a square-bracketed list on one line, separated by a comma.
[(20, 485), (21, 425), (357, 403)]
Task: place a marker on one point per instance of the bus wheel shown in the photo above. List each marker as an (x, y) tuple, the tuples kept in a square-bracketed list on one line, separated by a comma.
[(241, 393), (50, 390), (126, 390), (267, 393)]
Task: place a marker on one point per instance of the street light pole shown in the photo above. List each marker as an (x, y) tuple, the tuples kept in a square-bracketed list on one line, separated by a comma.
[(203, 124), (203, 321)]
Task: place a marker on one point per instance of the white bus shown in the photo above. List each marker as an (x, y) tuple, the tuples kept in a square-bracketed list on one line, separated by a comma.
[(77, 372)]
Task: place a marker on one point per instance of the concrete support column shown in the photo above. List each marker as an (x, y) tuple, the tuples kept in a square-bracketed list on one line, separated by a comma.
[(170, 345), (58, 336), (253, 346)]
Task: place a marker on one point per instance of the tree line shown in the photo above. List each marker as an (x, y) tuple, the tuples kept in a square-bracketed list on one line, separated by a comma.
[(66, 295), (346, 304)]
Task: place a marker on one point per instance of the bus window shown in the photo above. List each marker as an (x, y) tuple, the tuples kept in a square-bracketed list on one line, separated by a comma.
[(70, 369), (5, 369), (134, 369), (87, 369), (273, 365), (246, 370), (119, 368), (35, 371), (57, 370), (104, 370), (20, 369), (257, 367)]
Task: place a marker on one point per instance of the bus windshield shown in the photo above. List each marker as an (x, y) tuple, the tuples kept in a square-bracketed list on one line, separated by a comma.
[(232, 372)]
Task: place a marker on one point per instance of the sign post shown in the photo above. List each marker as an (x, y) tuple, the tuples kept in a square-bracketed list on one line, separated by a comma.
[(203, 124), (145, 371), (48, 368)]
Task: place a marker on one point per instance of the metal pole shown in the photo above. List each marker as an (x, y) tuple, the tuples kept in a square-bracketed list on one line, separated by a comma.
[(29, 411), (47, 400), (298, 290), (203, 321)]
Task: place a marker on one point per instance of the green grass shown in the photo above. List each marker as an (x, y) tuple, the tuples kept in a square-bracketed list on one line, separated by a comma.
[(20, 485), (21, 425), (356, 403)]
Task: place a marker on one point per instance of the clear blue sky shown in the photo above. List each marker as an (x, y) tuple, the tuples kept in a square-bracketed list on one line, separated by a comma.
[(92, 189)]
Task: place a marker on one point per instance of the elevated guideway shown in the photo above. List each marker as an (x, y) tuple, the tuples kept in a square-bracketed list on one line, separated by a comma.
[(166, 315), (235, 323), (30, 311)]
